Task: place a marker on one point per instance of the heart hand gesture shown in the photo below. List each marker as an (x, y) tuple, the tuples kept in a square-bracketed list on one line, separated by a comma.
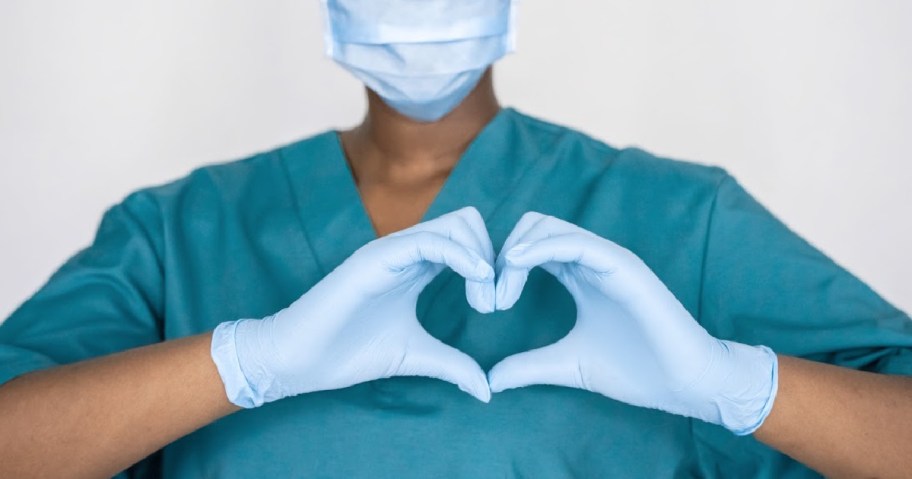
[(633, 341)]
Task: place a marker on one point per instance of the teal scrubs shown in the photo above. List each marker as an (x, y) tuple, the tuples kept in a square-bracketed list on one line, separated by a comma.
[(245, 239)]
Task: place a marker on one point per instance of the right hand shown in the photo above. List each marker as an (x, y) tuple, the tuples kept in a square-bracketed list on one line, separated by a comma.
[(359, 323), (633, 341)]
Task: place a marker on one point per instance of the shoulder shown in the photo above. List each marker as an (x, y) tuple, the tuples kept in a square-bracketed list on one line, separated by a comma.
[(211, 201), (259, 175), (631, 164)]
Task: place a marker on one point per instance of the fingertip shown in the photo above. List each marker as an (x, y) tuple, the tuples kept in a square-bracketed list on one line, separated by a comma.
[(500, 300), (480, 296), (532, 216), (478, 270), (490, 304), (484, 395), (504, 304), (477, 386), (481, 307), (508, 289), (470, 211), (484, 272)]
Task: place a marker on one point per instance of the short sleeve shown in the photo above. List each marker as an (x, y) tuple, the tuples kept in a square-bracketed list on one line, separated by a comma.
[(107, 298), (763, 284)]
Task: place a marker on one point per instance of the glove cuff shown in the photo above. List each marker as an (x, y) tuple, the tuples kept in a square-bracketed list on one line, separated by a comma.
[(749, 389), (224, 354)]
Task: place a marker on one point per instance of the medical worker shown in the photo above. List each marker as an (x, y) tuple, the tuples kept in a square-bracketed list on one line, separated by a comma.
[(451, 289)]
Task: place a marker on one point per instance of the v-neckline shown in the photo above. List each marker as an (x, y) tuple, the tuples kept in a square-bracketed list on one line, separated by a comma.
[(433, 210), (332, 211)]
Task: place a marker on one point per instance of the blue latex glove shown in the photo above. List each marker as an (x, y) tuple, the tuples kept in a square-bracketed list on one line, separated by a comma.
[(633, 341), (359, 323)]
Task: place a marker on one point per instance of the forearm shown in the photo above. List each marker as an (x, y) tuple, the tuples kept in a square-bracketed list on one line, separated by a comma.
[(98, 417), (841, 422)]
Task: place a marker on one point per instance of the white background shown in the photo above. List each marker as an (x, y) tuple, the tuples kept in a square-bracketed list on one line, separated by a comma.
[(807, 102)]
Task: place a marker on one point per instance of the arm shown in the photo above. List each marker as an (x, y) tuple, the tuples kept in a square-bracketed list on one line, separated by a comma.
[(764, 284), (841, 422), (81, 420), (109, 413), (634, 342)]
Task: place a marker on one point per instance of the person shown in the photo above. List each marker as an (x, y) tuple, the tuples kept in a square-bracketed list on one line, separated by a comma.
[(451, 289)]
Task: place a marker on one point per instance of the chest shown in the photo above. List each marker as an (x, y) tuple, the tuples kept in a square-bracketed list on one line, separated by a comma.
[(236, 267)]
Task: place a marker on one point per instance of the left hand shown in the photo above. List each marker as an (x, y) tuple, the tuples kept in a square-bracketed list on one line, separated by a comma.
[(633, 340), (359, 324)]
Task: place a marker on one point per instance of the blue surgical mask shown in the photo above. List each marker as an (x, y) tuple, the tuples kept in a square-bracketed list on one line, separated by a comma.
[(422, 57)]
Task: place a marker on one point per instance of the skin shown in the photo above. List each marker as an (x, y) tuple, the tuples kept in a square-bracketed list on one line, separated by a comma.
[(841, 422), (80, 420), (400, 165)]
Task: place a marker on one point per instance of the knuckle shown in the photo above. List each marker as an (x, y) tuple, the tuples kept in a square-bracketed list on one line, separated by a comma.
[(471, 213), (532, 216), (465, 226)]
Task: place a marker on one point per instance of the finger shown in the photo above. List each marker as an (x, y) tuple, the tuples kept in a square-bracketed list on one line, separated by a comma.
[(477, 227), (518, 264), (588, 250), (510, 281), (509, 287), (466, 227), (429, 357), (526, 223), (556, 365), (533, 227), (412, 249), (616, 272), (513, 276), (480, 295)]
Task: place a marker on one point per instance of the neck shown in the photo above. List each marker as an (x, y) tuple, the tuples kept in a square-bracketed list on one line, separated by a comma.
[(387, 140)]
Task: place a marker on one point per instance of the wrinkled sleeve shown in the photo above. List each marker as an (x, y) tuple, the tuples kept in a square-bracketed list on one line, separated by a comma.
[(763, 284), (106, 298)]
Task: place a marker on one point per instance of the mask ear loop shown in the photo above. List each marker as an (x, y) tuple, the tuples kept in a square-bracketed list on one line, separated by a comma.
[(511, 28), (328, 34)]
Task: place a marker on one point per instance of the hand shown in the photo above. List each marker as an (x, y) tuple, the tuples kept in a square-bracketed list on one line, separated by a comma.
[(359, 323), (633, 341)]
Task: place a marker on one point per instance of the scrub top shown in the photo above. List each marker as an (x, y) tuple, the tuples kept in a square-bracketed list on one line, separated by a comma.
[(247, 238)]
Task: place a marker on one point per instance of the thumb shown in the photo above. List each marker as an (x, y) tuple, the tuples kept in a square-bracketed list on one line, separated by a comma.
[(555, 365), (429, 357)]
